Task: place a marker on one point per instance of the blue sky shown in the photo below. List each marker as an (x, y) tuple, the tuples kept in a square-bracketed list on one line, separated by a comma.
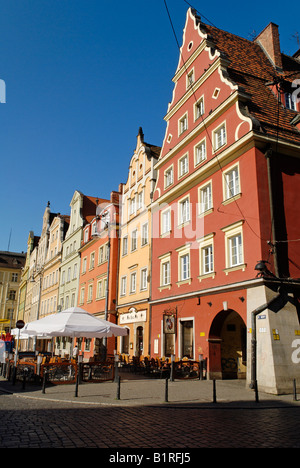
[(81, 77)]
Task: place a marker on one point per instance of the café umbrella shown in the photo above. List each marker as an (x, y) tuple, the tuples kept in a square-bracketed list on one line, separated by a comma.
[(73, 322)]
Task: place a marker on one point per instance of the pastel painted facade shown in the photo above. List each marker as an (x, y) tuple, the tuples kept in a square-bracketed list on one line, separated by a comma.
[(83, 209), (11, 264), (51, 273), (212, 216), (135, 250), (98, 273)]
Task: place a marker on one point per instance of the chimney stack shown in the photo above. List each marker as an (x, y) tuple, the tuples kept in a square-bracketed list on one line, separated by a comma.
[(268, 39)]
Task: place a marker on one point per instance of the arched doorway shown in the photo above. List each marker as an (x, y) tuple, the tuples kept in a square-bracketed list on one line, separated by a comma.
[(227, 346)]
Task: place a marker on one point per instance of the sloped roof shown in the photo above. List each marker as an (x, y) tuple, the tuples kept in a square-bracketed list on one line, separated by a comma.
[(251, 69)]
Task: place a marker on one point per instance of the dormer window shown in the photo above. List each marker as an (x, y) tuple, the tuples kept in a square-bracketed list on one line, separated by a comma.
[(290, 101)]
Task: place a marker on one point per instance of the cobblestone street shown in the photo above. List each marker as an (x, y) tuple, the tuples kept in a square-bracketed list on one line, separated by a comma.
[(29, 421)]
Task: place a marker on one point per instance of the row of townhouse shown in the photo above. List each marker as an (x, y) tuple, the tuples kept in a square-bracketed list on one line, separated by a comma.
[(198, 253)]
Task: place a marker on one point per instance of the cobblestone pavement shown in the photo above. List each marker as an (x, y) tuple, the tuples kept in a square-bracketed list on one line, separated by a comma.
[(56, 419)]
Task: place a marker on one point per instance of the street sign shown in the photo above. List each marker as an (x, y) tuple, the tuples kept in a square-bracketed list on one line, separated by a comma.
[(20, 324)]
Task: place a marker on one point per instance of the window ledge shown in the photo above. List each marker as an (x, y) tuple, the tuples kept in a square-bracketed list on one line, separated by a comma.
[(167, 286), (182, 282), (206, 212), (207, 275), (231, 199), (242, 266)]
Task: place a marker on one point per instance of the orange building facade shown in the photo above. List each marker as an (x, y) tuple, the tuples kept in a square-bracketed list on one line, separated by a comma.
[(98, 273)]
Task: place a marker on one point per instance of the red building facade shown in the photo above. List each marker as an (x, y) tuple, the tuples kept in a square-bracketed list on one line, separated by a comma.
[(224, 200)]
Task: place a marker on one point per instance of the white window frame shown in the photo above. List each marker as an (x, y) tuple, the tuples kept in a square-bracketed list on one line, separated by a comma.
[(205, 197), (199, 105), (133, 278), (184, 215), (144, 279), (230, 191), (145, 234), (183, 165), (134, 240), (183, 124), (184, 269), (233, 233), (190, 78), (125, 245), (123, 286), (169, 176), (206, 242), (219, 136), (200, 154), (165, 221), (165, 281)]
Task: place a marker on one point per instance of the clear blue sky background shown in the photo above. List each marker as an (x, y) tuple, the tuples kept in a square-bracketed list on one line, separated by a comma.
[(81, 77)]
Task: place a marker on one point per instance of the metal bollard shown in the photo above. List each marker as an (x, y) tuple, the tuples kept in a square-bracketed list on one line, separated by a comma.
[(44, 381), (256, 391), (119, 388), (24, 379), (294, 390), (77, 384), (214, 391), (167, 391)]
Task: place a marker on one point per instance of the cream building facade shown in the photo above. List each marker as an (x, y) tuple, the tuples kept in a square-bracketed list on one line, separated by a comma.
[(135, 250)]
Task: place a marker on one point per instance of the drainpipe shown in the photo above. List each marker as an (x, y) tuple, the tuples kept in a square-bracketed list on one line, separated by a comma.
[(254, 313), (268, 155)]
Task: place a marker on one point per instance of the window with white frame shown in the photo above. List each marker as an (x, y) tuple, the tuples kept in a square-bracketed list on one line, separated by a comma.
[(205, 198), (134, 240), (183, 165), (86, 236), (169, 178), (207, 259), (92, 260), (165, 273), (190, 79), (184, 267), (231, 182), (81, 295), (99, 292), (200, 152), (90, 292), (132, 205), (123, 286), (199, 108), (144, 279), (220, 136), (166, 221), (235, 250), (140, 200), (165, 270), (144, 239), (74, 271), (133, 282), (184, 210), (234, 245), (125, 245), (182, 124)]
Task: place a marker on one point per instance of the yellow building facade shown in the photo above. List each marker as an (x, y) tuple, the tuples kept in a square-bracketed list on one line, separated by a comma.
[(11, 264), (135, 250)]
